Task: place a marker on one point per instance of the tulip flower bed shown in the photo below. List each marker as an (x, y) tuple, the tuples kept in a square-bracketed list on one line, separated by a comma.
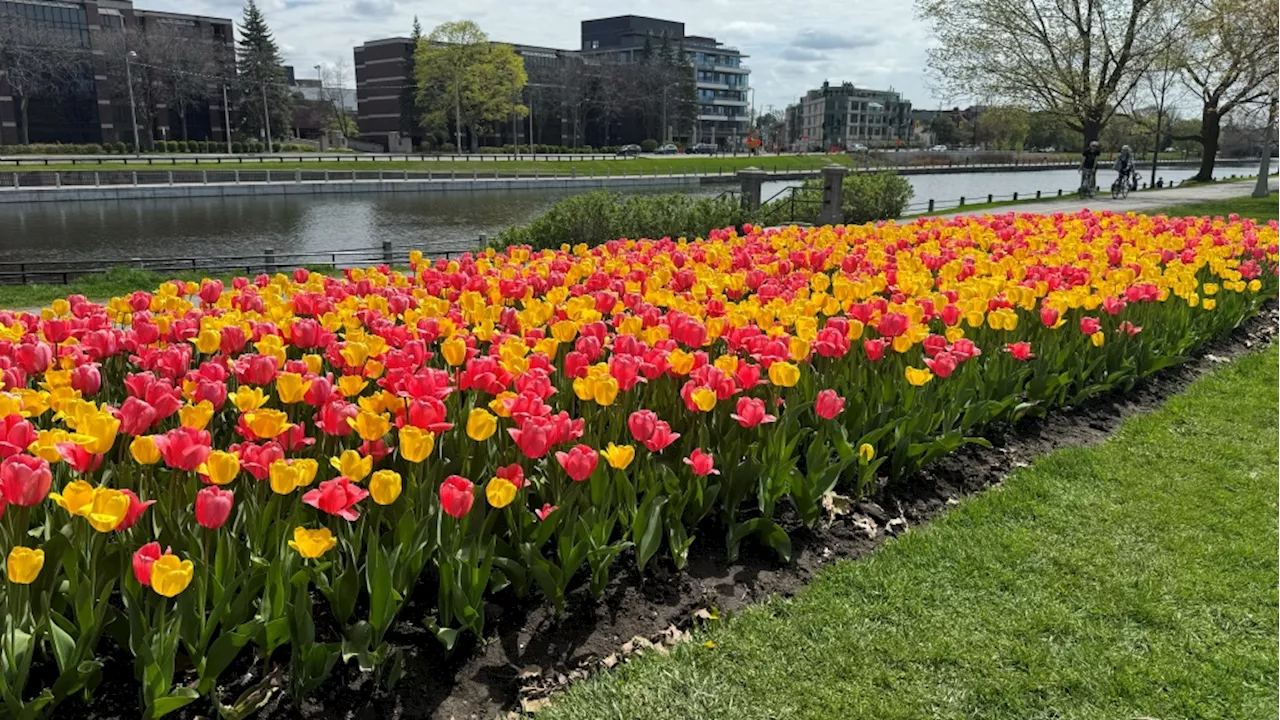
[(192, 472)]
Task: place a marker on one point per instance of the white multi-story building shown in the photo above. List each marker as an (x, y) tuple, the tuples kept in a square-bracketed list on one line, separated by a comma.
[(844, 115)]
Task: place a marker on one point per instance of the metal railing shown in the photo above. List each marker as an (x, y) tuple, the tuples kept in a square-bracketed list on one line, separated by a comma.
[(214, 159), (931, 205), (269, 261), (778, 209)]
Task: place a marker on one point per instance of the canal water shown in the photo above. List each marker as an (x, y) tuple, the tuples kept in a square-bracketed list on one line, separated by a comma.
[(118, 231)]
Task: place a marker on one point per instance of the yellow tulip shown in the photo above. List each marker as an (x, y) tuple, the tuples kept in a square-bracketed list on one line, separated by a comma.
[(314, 363), (681, 362), (208, 341), (355, 353), (291, 387), (918, 376), (247, 399), (565, 331), (24, 565), (267, 424), (784, 374), (144, 450), (76, 498), (498, 404), (196, 417), (101, 429), (350, 464), (109, 508), (370, 426), (798, 349), (312, 544), (170, 576), (481, 425), (727, 364), (221, 467), (866, 452), (454, 351), (605, 391), (385, 486), (1097, 339), (704, 399), (416, 444), (287, 476), (352, 385), (619, 456), (1208, 303), (46, 444), (500, 492)]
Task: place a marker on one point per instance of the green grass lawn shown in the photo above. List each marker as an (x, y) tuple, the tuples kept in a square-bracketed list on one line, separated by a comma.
[(1257, 208), (1136, 579), (632, 166)]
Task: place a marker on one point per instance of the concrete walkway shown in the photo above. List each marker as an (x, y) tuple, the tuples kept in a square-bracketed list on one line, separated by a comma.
[(1138, 202)]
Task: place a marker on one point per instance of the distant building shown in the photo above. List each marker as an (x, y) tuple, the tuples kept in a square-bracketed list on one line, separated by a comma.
[(384, 68), (92, 107), (723, 81), (844, 115)]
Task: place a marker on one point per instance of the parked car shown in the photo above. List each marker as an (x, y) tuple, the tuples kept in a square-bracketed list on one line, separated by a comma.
[(629, 150), (1050, 149), (858, 147), (705, 149), (668, 149), (938, 148)]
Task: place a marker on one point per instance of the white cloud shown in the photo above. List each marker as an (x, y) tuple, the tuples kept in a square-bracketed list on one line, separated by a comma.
[(792, 48)]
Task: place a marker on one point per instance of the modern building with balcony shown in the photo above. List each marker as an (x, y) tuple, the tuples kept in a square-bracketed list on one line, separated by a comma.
[(723, 114), (844, 115), (88, 102)]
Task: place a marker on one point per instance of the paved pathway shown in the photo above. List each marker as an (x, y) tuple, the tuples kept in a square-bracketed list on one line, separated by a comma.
[(1140, 201)]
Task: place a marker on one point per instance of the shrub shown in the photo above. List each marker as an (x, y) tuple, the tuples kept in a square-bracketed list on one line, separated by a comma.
[(121, 148), (865, 197), (237, 147), (599, 216), (648, 145), (184, 146)]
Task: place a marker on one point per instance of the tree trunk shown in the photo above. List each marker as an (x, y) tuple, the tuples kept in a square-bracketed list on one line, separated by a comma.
[(1210, 130), (26, 135), (1091, 128)]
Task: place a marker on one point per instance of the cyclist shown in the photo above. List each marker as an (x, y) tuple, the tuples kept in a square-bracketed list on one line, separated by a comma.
[(1089, 168), (1124, 166)]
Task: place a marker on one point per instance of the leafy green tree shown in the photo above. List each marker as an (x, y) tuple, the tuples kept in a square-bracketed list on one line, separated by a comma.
[(945, 129), (462, 77), (261, 78), (1003, 127)]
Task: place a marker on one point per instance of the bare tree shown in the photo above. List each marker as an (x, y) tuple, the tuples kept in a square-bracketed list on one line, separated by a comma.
[(181, 69), (39, 60), (1229, 63), (1073, 58), (333, 92)]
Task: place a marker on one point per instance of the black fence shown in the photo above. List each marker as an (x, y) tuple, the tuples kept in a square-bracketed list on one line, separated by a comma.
[(55, 272)]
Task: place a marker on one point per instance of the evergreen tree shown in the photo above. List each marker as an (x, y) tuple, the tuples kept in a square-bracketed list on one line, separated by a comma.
[(409, 109), (261, 78)]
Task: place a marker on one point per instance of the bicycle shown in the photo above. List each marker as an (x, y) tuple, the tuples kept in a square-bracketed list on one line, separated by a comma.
[(1088, 178), (1120, 188)]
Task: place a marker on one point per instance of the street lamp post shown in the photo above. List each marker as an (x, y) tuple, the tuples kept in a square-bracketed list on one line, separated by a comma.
[(133, 111), (226, 117)]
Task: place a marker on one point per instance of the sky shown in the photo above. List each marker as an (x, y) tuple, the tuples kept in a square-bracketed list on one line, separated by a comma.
[(793, 46)]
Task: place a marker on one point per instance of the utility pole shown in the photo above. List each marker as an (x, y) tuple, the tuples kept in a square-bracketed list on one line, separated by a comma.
[(266, 117), (533, 150), (226, 117), (457, 108), (666, 131), (133, 111), (1264, 165)]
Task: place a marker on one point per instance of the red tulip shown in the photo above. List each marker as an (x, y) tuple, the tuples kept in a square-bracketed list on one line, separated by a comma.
[(213, 506), (136, 508), (1112, 305), (1020, 350), (33, 358), (701, 463), (332, 417), (306, 333), (513, 474), (319, 392), (87, 379), (534, 438), (215, 391), (942, 365), (1048, 316), (893, 324), (456, 496), (25, 480), (79, 459), (337, 497), (136, 416), (1090, 325), (143, 559), (233, 340), (934, 344), (210, 291), (875, 348), (579, 462), (428, 413), (1129, 328), (964, 349), (750, 412), (661, 437), (56, 331), (545, 510), (16, 435), (184, 448), (828, 404), (747, 375), (642, 424)]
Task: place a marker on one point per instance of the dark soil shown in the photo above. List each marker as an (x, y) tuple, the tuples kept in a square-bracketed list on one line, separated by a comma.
[(528, 652)]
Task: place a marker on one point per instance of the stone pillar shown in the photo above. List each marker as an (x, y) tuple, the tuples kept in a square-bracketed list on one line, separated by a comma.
[(832, 194), (751, 178)]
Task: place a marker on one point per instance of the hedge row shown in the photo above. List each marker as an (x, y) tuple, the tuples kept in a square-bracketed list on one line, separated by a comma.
[(160, 146)]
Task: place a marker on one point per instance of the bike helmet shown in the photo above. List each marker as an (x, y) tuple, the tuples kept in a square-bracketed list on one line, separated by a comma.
[(1126, 148), (1094, 144)]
